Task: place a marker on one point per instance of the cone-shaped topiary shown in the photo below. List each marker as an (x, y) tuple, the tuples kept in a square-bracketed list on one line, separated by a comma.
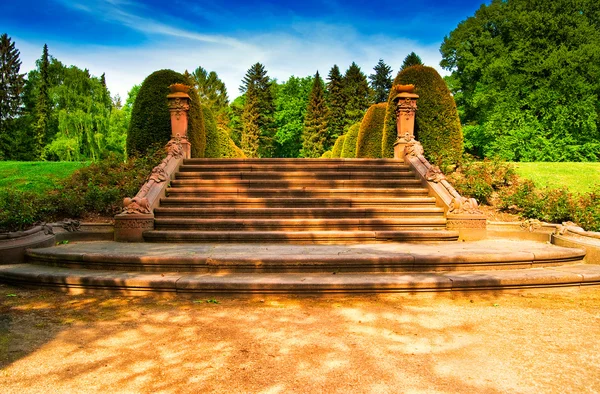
[(150, 118), (349, 149), (437, 125), (227, 148), (213, 148), (326, 155), (337, 147), (368, 143)]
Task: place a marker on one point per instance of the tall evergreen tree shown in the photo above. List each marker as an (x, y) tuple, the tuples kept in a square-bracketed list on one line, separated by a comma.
[(314, 135), (381, 82), (411, 60), (11, 87), (258, 121), (212, 92), (43, 105), (356, 90), (336, 104)]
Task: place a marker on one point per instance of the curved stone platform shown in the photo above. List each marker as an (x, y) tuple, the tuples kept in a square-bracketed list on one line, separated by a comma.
[(228, 268)]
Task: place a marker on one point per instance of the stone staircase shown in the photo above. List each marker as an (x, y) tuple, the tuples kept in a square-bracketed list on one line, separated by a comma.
[(297, 201)]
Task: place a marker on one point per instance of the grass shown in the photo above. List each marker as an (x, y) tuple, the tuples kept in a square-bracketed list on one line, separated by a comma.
[(577, 177), (35, 176)]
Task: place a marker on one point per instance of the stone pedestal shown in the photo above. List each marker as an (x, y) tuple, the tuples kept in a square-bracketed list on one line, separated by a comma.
[(470, 227), (406, 108), (130, 227), (179, 105)]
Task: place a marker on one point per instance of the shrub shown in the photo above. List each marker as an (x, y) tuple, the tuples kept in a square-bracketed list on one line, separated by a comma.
[(150, 118), (437, 125), (337, 147), (228, 148), (371, 131), (18, 209), (213, 146), (326, 155), (349, 148), (587, 214)]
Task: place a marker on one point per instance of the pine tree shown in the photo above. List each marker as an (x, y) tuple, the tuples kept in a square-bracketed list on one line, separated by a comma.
[(356, 90), (336, 104), (213, 93), (314, 135), (11, 87), (411, 60), (43, 105), (381, 82), (258, 119)]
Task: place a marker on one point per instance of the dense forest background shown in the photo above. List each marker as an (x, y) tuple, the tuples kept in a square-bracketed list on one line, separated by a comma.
[(525, 76)]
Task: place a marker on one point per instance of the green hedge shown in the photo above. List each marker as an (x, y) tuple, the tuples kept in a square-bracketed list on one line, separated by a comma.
[(349, 149), (326, 155), (337, 147), (437, 124), (228, 148), (371, 131), (150, 118)]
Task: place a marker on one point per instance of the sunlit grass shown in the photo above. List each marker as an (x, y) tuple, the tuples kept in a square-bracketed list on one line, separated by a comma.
[(35, 176), (577, 177)]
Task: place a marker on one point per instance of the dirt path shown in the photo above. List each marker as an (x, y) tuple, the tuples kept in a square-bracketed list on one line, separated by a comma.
[(522, 343)]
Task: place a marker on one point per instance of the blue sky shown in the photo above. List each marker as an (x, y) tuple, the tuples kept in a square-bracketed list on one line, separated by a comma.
[(129, 39)]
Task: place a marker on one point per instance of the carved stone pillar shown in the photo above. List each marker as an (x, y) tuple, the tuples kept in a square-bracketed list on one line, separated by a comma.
[(406, 108), (179, 105)]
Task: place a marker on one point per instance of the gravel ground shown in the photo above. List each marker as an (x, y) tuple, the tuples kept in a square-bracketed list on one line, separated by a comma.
[(529, 342)]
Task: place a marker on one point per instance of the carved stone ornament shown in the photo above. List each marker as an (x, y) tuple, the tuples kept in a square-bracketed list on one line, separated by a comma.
[(413, 149), (406, 107), (562, 229), (531, 225), (455, 224), (464, 205), (70, 225), (135, 223), (434, 174), (158, 174), (178, 106), (175, 148), (136, 205)]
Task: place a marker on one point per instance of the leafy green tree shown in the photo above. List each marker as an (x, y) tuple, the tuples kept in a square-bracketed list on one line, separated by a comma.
[(314, 135), (336, 104), (381, 82), (11, 87), (258, 117), (356, 91), (212, 92), (236, 126), (291, 104), (412, 59), (526, 76)]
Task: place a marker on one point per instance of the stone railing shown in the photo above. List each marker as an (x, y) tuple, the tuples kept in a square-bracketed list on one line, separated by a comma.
[(138, 212), (462, 213)]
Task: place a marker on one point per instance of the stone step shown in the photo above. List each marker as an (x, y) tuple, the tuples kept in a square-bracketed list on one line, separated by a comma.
[(301, 237), (297, 202), (294, 161), (296, 183), (274, 175), (293, 192), (299, 224), (291, 212), (224, 258), (140, 283), (293, 167)]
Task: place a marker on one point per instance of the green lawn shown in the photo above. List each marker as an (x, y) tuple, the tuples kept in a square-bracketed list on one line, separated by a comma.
[(35, 176), (577, 177)]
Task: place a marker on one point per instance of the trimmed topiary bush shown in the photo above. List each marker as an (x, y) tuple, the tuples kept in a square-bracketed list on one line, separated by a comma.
[(371, 131), (349, 149), (150, 118), (213, 147), (336, 151), (437, 124), (227, 148), (326, 155)]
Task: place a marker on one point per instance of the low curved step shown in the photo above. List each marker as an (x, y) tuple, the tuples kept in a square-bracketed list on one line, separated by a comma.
[(135, 283), (307, 237), (383, 257)]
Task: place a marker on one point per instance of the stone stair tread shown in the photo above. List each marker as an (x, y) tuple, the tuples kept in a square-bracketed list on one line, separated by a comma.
[(295, 183), (289, 283), (348, 175), (319, 201), (302, 212)]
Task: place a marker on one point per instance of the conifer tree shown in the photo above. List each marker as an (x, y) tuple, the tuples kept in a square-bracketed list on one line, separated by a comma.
[(336, 104), (11, 87), (314, 135), (43, 106), (411, 60), (381, 82), (258, 121), (213, 93), (356, 90)]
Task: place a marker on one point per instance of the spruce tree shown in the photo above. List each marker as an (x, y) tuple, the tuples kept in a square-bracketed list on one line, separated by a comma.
[(213, 93), (11, 87), (258, 119), (314, 135), (411, 60), (43, 106), (381, 82), (336, 104), (356, 90)]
